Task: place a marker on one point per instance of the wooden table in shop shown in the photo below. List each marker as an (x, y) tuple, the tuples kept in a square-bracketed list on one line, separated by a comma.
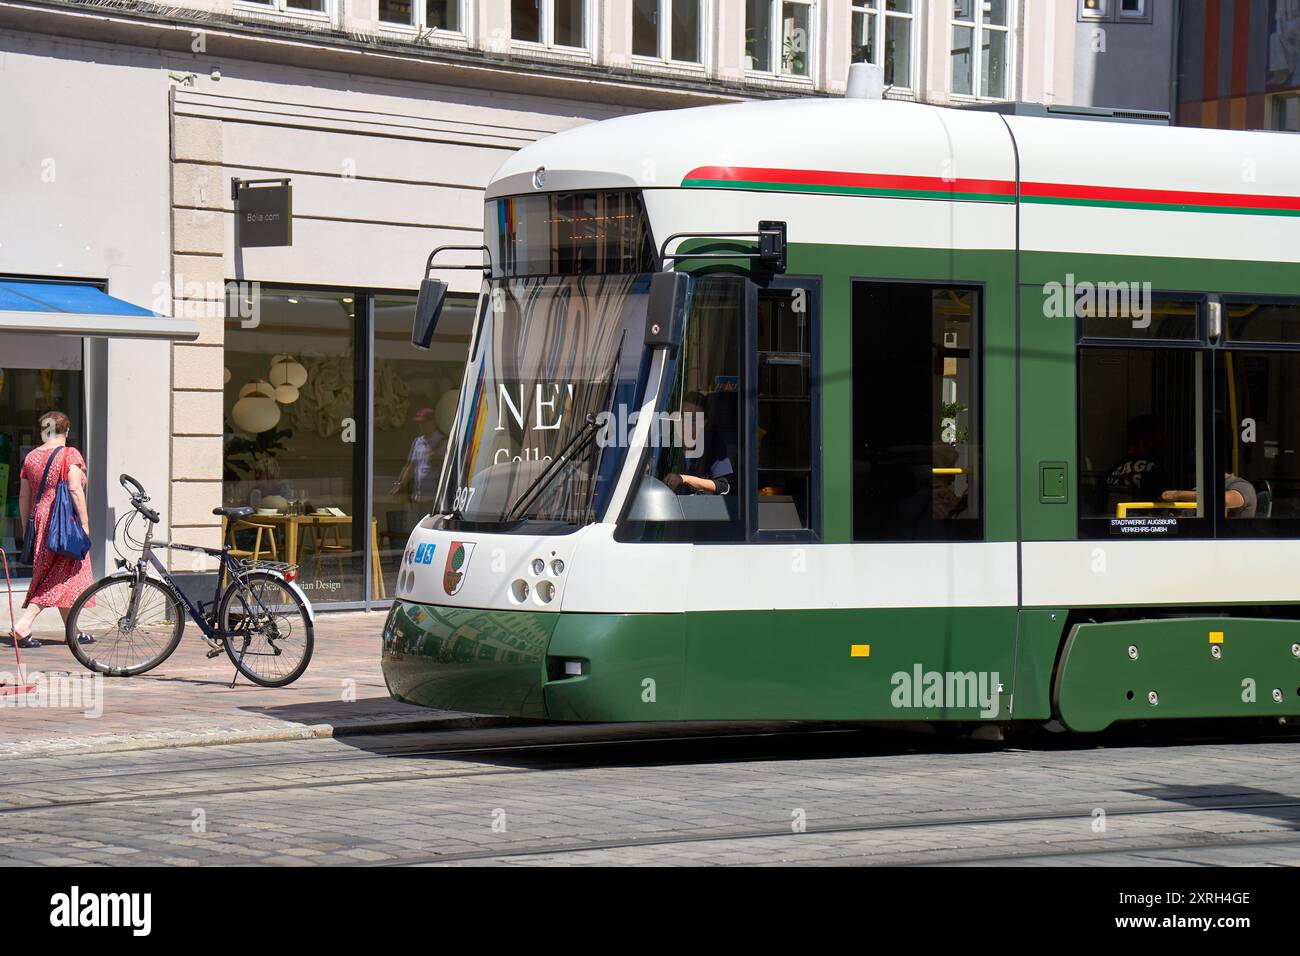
[(292, 526)]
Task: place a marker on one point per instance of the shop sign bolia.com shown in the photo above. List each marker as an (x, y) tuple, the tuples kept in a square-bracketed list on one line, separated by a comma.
[(263, 212)]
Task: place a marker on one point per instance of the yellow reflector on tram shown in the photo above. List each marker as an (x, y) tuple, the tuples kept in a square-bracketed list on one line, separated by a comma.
[(1216, 637), (859, 650)]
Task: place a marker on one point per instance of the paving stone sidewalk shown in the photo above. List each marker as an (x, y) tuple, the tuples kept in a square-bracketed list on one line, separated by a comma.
[(189, 701)]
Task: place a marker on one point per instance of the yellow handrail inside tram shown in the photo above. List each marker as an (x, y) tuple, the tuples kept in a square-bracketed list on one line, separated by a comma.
[(1124, 507)]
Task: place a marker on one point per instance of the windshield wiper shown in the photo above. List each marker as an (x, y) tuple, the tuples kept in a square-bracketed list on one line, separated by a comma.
[(577, 443)]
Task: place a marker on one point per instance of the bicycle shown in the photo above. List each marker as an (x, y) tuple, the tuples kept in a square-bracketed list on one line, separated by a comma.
[(134, 620)]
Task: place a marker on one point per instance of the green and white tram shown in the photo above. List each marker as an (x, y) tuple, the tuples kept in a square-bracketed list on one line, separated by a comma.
[(871, 411)]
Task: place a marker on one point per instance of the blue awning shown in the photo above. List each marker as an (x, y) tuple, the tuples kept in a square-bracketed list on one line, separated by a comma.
[(66, 308)]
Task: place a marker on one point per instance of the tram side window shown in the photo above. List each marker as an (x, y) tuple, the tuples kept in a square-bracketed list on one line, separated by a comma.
[(1261, 440), (784, 404), (1140, 435), (917, 437), (696, 484)]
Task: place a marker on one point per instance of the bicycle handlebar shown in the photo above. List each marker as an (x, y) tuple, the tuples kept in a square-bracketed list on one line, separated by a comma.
[(138, 497)]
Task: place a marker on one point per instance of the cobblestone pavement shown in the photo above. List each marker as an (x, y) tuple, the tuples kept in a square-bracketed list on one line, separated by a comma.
[(858, 797), (189, 700)]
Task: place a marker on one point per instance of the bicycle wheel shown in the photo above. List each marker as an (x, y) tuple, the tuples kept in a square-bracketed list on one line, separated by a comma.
[(266, 629), (125, 644)]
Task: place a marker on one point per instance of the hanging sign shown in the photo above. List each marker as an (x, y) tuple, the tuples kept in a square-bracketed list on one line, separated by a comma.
[(263, 212)]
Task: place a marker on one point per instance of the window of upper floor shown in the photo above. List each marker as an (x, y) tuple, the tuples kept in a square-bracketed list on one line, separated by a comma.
[(669, 31), (884, 33), (1284, 112), (982, 49), (308, 9), (437, 16), (554, 24), (779, 37)]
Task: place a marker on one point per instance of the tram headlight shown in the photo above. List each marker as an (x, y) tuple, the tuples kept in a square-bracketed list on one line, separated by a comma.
[(557, 567), (545, 592), (519, 591), (538, 566)]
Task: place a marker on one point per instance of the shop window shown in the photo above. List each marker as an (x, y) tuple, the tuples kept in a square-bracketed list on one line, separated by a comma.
[(917, 437), (38, 374), (414, 410), (293, 433)]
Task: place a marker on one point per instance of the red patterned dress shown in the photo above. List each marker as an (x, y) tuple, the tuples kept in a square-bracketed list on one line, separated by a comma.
[(57, 579)]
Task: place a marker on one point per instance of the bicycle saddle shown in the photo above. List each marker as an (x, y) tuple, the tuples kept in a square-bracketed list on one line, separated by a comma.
[(234, 514)]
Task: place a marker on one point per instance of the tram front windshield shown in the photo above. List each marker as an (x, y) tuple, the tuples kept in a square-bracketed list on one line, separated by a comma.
[(558, 362)]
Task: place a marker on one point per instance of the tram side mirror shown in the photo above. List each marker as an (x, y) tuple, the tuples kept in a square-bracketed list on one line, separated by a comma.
[(666, 309), (428, 306), (771, 245)]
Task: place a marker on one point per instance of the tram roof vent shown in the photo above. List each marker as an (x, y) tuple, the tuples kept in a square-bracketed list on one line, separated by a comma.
[(1113, 114), (866, 82)]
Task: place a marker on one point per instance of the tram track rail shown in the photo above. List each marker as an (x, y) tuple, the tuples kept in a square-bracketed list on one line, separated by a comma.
[(847, 828)]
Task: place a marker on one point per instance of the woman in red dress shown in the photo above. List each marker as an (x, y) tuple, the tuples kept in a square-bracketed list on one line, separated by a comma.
[(57, 579)]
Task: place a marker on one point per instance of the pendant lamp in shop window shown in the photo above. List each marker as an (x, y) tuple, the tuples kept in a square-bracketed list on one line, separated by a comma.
[(288, 371), (255, 414)]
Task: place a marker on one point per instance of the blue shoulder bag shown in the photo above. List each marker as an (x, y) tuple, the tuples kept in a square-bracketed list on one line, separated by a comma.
[(65, 535)]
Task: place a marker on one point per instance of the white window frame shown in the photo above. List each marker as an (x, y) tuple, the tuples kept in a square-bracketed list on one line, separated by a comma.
[(665, 28), (546, 13), (1141, 15), (420, 27), (875, 8), (775, 53), (281, 8), (977, 52), (1278, 102)]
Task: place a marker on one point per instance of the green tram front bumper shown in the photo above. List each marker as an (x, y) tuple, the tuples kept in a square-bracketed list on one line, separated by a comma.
[(511, 663)]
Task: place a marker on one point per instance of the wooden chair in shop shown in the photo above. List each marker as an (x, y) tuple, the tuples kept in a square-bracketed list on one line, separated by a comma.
[(330, 542), (228, 531)]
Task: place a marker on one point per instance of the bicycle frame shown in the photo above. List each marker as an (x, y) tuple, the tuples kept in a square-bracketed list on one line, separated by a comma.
[(210, 629)]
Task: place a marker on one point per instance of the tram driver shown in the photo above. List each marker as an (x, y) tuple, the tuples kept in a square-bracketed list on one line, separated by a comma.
[(711, 472)]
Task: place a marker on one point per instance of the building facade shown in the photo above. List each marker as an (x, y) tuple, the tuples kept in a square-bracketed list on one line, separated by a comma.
[(1239, 64), (287, 382)]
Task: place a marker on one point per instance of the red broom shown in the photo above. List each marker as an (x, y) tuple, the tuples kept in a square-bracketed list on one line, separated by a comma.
[(22, 687)]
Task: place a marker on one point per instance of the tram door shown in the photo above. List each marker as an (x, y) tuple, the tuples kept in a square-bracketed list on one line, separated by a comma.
[(747, 372)]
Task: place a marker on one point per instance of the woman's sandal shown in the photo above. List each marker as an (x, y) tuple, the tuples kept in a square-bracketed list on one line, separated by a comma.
[(26, 643)]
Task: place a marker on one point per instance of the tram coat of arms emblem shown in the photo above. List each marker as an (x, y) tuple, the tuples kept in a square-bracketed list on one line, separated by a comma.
[(453, 576)]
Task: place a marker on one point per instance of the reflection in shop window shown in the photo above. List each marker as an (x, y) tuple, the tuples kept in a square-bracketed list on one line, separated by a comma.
[(37, 374), (415, 407), (291, 439)]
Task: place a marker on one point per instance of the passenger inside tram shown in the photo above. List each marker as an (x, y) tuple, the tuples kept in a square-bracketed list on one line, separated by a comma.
[(711, 472), (1239, 499), (1144, 470)]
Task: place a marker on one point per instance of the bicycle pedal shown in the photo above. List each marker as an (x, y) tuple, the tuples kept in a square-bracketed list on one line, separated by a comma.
[(215, 652)]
